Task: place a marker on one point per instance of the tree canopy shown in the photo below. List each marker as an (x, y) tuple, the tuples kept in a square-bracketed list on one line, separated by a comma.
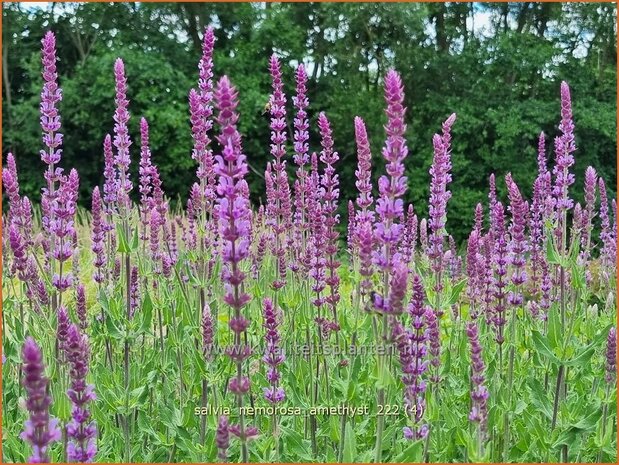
[(498, 66)]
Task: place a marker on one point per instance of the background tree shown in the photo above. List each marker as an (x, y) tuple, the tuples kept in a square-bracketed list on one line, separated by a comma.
[(498, 66)]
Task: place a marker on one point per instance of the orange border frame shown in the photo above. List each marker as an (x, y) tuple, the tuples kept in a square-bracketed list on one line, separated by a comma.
[(289, 1)]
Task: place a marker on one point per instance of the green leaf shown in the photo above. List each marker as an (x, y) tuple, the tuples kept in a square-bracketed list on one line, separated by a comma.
[(412, 454), (123, 245), (455, 292), (146, 315), (134, 240), (112, 329), (542, 347), (350, 446)]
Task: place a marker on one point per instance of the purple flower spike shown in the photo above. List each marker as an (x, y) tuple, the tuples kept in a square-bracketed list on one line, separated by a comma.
[(390, 206), (439, 195), (364, 168), (98, 237), (412, 349), (479, 393), (273, 356), (330, 195), (564, 148), (208, 332), (499, 265), (611, 355), (609, 246), (518, 244), (62, 330), (233, 215), (80, 305), (301, 124), (51, 95), (81, 430), (281, 208), (222, 438), (122, 142), (40, 431)]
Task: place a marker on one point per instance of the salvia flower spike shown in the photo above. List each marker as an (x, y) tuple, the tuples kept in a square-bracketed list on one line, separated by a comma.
[(40, 430)]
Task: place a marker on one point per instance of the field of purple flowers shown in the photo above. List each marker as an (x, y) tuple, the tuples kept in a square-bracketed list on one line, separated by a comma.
[(230, 332)]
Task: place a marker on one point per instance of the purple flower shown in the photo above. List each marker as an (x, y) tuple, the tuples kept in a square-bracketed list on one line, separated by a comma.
[(80, 305), (222, 438), (201, 111), (281, 207), (51, 95), (134, 291), (611, 355), (434, 339), (18, 246), (350, 237), (110, 186), (479, 218), (479, 392), (62, 330), (518, 246), (40, 431), (233, 215), (301, 124), (412, 349), (122, 142), (586, 226), (391, 187), (364, 168), (499, 266), (81, 430), (10, 183), (316, 259), (492, 199), (609, 246), (63, 209), (474, 272), (330, 195), (409, 239), (98, 237), (536, 227), (273, 355), (439, 195), (207, 332), (564, 148)]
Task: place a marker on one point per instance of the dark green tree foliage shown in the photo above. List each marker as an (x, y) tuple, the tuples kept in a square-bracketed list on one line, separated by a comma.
[(498, 66)]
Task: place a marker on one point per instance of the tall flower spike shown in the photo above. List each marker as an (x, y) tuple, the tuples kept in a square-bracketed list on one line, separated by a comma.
[(301, 123), (499, 265), (80, 305), (51, 95), (222, 438), (81, 430), (439, 195), (608, 253), (564, 148), (208, 332), (479, 392), (611, 355), (122, 142), (233, 215), (110, 186), (282, 208), (412, 347), (330, 195), (273, 356), (40, 431), (391, 187), (518, 244), (98, 237), (364, 167)]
